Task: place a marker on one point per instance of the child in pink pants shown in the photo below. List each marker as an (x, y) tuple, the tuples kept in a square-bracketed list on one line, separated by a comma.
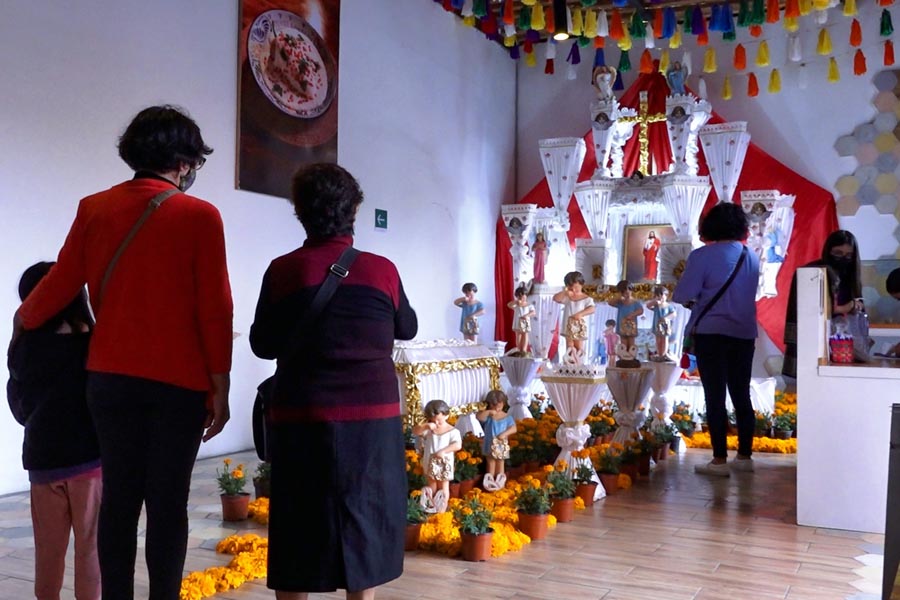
[(46, 394)]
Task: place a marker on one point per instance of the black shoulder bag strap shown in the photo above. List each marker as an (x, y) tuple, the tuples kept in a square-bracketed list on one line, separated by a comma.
[(154, 203), (721, 291)]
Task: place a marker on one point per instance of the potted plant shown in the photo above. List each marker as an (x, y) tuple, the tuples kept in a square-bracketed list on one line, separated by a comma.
[(465, 471), (682, 419), (665, 435), (562, 491), (474, 521), (262, 480), (533, 506), (704, 422), (784, 425), (415, 474), (415, 516), (235, 501), (608, 463), (585, 486), (762, 425)]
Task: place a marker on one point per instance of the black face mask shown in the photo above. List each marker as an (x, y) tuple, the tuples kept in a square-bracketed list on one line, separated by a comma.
[(188, 180), (842, 261)]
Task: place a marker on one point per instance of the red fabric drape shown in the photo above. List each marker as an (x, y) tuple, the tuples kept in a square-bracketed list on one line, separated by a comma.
[(815, 218)]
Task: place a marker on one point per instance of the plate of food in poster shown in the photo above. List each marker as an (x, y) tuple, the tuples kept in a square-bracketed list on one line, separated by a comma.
[(291, 64)]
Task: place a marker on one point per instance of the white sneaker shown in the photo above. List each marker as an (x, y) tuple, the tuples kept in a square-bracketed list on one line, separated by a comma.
[(711, 468), (489, 483), (500, 481), (742, 464)]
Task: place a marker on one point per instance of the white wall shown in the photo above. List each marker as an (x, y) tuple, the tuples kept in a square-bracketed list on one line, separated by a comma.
[(426, 124), (798, 127)]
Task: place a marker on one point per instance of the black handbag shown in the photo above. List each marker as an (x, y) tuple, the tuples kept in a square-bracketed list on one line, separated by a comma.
[(265, 392)]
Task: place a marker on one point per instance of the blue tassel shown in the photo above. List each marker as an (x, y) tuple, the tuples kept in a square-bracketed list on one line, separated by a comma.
[(670, 22), (697, 20), (532, 36), (457, 4), (574, 54), (599, 58), (618, 85), (620, 3), (514, 52), (715, 17), (727, 19)]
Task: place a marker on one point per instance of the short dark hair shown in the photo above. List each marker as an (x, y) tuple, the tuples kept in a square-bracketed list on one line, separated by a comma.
[(435, 407), (610, 322), (573, 277), (76, 313), (521, 291), (161, 139), (893, 282), (495, 397), (659, 290), (469, 287), (326, 197), (724, 221), (624, 286)]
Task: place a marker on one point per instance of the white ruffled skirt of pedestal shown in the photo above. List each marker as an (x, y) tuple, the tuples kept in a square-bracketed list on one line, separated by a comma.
[(665, 376), (629, 387), (573, 402), (521, 373)]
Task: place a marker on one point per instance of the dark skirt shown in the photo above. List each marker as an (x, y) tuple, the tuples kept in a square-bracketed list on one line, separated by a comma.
[(337, 515)]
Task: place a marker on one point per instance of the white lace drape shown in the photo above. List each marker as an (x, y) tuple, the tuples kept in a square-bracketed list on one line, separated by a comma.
[(562, 158), (629, 387), (521, 373), (725, 147)]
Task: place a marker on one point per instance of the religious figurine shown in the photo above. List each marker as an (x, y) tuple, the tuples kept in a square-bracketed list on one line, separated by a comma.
[(676, 76), (603, 121), (471, 310), (498, 426), (604, 77), (578, 305), (627, 311), (651, 252), (441, 442), (663, 313), (539, 252), (522, 318), (678, 115), (610, 340)]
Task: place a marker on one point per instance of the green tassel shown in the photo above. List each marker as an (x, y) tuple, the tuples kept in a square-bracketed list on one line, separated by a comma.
[(588, 3), (729, 36), (524, 23), (687, 19), (584, 41), (743, 19), (758, 13), (887, 27), (479, 9), (638, 28), (624, 63)]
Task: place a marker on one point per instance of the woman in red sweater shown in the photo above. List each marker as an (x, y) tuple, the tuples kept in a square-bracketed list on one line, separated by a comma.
[(160, 355)]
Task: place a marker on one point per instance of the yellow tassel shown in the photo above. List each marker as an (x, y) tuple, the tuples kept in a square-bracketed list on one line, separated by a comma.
[(833, 74), (850, 8), (590, 24), (726, 88), (469, 21), (530, 59), (805, 7), (529, 2), (791, 24), (709, 60), (664, 61), (774, 82), (577, 22), (537, 19), (824, 45), (675, 40), (762, 54), (626, 42), (820, 4), (509, 41)]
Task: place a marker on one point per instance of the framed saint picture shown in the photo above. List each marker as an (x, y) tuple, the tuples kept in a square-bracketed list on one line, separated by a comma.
[(640, 251), (287, 90)]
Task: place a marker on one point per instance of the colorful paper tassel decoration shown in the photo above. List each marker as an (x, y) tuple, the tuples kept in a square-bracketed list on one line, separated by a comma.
[(587, 3), (618, 85), (821, 4), (805, 7), (755, 30), (549, 66), (624, 62), (703, 38), (577, 22), (514, 52), (599, 42), (729, 36), (469, 21), (626, 42), (795, 53), (774, 82), (698, 23), (752, 86), (479, 8), (530, 58), (574, 56), (549, 20), (646, 64), (762, 54), (791, 24), (888, 53), (687, 62), (650, 39), (885, 2), (726, 88), (823, 48), (537, 18), (757, 12), (509, 17), (740, 57), (686, 20), (616, 27), (599, 58), (855, 34), (602, 24), (820, 17), (887, 26), (675, 40), (709, 61), (664, 61), (715, 17), (743, 19), (637, 29), (727, 17), (658, 21), (792, 8), (859, 63), (701, 88), (590, 24), (850, 8), (524, 22), (772, 11), (529, 2), (465, 7), (509, 41), (833, 74)]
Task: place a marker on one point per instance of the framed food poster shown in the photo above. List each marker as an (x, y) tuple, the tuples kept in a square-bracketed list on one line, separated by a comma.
[(287, 90)]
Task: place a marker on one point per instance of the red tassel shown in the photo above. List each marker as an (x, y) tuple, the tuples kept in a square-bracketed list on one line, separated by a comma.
[(885, 3), (703, 38), (888, 53), (657, 22), (740, 57), (752, 86), (685, 361), (616, 29), (772, 11), (855, 34), (792, 8), (646, 62), (447, 6), (859, 63), (509, 17), (756, 30), (548, 67), (528, 47), (598, 42), (549, 21)]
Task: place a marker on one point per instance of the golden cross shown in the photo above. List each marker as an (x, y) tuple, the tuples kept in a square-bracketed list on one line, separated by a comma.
[(644, 118)]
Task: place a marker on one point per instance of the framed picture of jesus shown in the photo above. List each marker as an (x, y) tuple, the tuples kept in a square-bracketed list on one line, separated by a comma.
[(640, 251)]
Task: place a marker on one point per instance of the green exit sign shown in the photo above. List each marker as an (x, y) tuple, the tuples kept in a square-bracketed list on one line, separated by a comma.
[(380, 219)]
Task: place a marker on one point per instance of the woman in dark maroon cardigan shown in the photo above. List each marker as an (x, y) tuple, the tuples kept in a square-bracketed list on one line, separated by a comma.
[(338, 507)]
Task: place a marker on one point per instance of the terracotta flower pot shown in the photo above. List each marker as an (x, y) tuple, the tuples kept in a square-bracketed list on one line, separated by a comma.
[(476, 547), (466, 486), (513, 473), (610, 482), (235, 506), (780, 434), (563, 509), (454, 489), (412, 536), (586, 492), (262, 487), (644, 465), (629, 469), (532, 466), (534, 526)]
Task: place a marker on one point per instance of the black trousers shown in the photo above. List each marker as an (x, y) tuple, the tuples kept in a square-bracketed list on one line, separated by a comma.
[(149, 434), (726, 362)]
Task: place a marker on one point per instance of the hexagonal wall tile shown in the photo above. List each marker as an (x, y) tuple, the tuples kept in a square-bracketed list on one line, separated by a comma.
[(887, 162), (885, 141), (886, 183), (866, 174), (847, 206), (866, 132), (886, 204), (846, 145), (866, 153), (848, 185), (885, 81), (885, 121)]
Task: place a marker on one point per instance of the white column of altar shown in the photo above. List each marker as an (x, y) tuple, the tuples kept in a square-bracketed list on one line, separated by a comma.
[(519, 221), (665, 376), (546, 318)]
